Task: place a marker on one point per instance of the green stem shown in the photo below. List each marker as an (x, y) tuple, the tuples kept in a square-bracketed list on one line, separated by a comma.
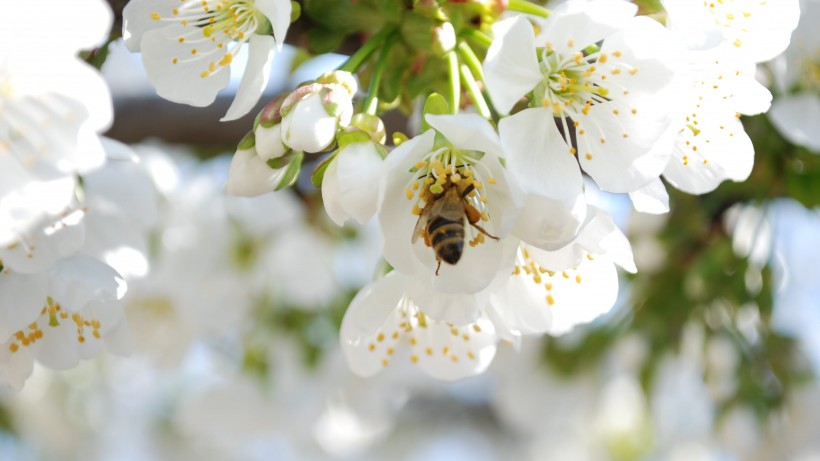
[(468, 57), (454, 98), (475, 92), (478, 38), (371, 101), (523, 6), (362, 54)]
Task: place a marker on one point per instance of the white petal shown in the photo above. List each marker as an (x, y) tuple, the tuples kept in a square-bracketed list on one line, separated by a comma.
[(278, 13), (796, 118), (651, 198), (15, 367), (467, 131), (476, 269), (522, 306), (455, 352), (79, 280), (249, 175), (359, 172), (721, 150), (308, 127), (581, 295), (21, 299), (181, 81), (374, 306), (254, 79), (51, 241), (550, 224), (537, 156), (625, 145), (576, 25), (137, 20), (269, 142), (396, 220), (331, 197), (511, 67)]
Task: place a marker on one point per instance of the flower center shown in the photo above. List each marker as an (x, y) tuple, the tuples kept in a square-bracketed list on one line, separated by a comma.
[(212, 22), (449, 167), (54, 313)]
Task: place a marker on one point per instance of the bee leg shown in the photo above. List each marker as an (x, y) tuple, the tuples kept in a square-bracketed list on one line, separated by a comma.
[(481, 229), (439, 265)]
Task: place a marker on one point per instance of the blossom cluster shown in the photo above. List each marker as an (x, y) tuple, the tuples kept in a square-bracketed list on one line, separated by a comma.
[(487, 214), (486, 222), (73, 205)]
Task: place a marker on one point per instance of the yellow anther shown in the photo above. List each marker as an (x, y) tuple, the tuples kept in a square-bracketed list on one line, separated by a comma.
[(155, 16), (390, 351), (372, 346), (380, 337), (550, 300), (428, 351), (476, 328), (13, 347), (414, 358)]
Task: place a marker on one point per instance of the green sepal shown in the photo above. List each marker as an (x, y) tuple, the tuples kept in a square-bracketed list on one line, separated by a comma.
[(435, 104), (247, 142), (318, 174), (292, 172), (399, 138), (350, 136), (382, 150), (279, 162)]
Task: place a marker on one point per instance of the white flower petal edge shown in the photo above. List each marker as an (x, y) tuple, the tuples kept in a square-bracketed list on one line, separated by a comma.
[(383, 326), (254, 78), (21, 298), (652, 198), (548, 173), (511, 69), (754, 31), (249, 175), (552, 292), (796, 116), (350, 187)]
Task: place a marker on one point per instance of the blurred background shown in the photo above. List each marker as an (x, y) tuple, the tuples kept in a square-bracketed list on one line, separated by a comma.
[(712, 352)]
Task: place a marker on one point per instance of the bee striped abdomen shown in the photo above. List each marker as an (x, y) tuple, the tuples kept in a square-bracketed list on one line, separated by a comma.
[(447, 237)]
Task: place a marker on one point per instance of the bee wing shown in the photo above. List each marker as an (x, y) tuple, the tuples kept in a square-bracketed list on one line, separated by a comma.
[(421, 225)]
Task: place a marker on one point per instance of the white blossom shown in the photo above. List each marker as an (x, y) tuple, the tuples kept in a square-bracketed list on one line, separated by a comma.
[(797, 71), (187, 47), (616, 100), (387, 322), (461, 151)]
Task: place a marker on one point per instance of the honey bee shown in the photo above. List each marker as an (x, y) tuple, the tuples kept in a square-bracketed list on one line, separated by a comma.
[(442, 224)]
